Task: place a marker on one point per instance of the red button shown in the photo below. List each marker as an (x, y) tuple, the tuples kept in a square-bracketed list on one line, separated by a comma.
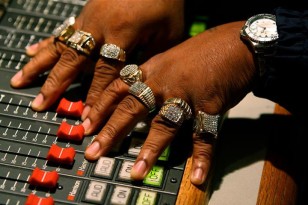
[(35, 200), (70, 132), (61, 155), (69, 108), (43, 178)]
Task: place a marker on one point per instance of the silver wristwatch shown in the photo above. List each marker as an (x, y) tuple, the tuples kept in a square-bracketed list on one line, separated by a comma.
[(260, 31)]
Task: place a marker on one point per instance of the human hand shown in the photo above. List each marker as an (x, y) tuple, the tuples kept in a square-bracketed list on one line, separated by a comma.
[(212, 72), (127, 24)]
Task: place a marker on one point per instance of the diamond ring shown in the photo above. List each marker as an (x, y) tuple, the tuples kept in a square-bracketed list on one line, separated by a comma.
[(182, 104), (131, 74), (173, 113), (205, 123), (65, 30), (144, 93), (82, 42), (175, 110), (113, 51)]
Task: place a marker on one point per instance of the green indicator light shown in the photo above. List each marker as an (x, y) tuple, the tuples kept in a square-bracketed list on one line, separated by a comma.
[(155, 176), (196, 28), (165, 155), (198, 25)]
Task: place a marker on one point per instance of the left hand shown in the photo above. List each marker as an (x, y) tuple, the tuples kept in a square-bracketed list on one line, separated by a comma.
[(152, 24)]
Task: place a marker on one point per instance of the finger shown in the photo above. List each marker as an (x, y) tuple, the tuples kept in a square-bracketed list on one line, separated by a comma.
[(103, 107), (33, 49), (60, 77), (39, 64), (105, 72), (160, 136), (107, 69), (125, 117), (203, 149)]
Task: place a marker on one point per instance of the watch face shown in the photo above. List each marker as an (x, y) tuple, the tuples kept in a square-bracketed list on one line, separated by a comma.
[(262, 28)]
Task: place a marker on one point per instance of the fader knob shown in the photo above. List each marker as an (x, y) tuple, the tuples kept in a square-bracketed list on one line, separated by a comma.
[(61, 155), (43, 178), (70, 132), (35, 200), (69, 108)]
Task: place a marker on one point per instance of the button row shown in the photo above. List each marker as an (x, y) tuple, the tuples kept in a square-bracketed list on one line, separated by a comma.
[(105, 167), (121, 195)]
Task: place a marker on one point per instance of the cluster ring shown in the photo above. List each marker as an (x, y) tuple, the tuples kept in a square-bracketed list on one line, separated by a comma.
[(176, 111), (205, 123), (131, 74), (182, 104), (81, 41), (65, 30), (109, 50), (144, 93)]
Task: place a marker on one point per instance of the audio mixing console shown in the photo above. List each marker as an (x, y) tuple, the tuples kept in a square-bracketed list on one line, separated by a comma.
[(41, 153)]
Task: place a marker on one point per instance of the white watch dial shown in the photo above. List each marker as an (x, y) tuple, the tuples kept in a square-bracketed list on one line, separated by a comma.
[(262, 29)]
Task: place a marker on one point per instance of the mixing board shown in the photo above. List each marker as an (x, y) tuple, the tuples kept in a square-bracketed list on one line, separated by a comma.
[(42, 153)]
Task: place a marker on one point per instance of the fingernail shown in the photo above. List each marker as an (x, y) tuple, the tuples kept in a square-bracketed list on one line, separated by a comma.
[(86, 125), (139, 170), (16, 79), (32, 49), (93, 149), (38, 101), (85, 112), (198, 175)]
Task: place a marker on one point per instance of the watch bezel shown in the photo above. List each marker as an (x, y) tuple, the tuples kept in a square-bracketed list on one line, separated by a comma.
[(245, 32)]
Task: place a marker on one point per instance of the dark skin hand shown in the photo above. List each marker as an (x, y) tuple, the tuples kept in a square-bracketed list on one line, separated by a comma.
[(212, 72), (130, 24)]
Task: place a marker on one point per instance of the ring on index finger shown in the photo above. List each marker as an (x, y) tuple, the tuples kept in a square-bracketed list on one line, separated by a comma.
[(81, 41), (65, 30), (144, 93), (175, 110), (131, 74)]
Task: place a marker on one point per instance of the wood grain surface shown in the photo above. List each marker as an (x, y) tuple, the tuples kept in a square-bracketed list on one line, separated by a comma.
[(190, 194), (283, 172), (283, 169)]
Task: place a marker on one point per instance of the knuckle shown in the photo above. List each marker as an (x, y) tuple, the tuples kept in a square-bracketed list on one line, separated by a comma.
[(52, 82), (93, 95), (131, 106), (154, 147), (69, 57), (203, 151), (56, 48), (109, 133), (108, 67), (98, 107), (163, 127), (117, 86)]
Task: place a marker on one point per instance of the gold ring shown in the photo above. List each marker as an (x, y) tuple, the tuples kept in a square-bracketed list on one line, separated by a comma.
[(65, 30), (131, 74), (144, 93), (175, 110), (182, 104), (173, 113), (82, 42), (205, 123), (113, 51)]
